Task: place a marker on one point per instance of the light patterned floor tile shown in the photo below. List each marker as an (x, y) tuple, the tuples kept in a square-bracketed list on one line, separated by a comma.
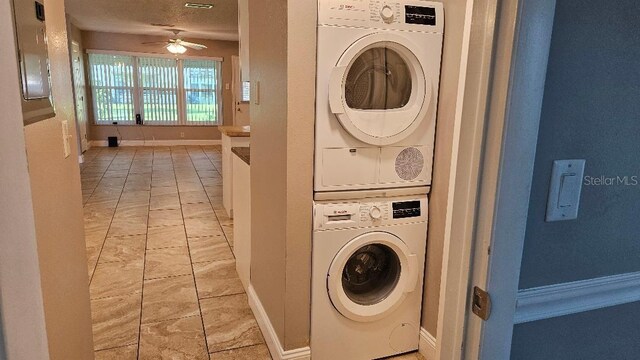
[(165, 218), (199, 227), (167, 262), (254, 352), (192, 197), (174, 339), (128, 226), (156, 196), (207, 249), (166, 236), (229, 323), (217, 278), (126, 248), (169, 298), (116, 279), (200, 210), (116, 321), (121, 353), (164, 202)]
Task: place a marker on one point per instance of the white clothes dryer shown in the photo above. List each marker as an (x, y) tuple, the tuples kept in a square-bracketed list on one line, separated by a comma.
[(367, 277), (377, 90)]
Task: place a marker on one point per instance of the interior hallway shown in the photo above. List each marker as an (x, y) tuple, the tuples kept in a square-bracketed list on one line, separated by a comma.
[(162, 273)]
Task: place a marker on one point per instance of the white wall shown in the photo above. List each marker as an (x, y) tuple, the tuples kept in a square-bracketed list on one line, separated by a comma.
[(21, 307)]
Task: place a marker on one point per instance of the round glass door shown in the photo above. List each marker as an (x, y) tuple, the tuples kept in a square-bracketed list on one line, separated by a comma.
[(370, 276), (378, 89), (378, 79)]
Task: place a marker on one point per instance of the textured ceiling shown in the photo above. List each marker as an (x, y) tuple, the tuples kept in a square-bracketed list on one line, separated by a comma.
[(136, 17)]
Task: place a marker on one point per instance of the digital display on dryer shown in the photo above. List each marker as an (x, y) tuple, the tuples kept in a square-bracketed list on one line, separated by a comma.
[(420, 15), (406, 209)]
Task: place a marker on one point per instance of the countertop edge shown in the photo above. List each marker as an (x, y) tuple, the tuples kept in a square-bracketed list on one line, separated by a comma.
[(243, 152)]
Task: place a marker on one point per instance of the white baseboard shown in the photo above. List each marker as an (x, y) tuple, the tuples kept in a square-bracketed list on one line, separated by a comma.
[(427, 347), (104, 143), (574, 297), (270, 336)]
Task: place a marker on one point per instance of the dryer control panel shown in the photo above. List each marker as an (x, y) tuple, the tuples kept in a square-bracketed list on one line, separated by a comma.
[(414, 15), (370, 212)]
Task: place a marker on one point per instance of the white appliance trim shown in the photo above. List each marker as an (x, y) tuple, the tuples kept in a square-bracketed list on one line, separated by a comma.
[(374, 193), (427, 347), (575, 297), (270, 336), (104, 143)]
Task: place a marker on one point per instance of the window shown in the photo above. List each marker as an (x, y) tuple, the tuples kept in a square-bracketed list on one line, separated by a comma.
[(201, 88), (158, 82), (163, 90), (246, 91), (112, 83)]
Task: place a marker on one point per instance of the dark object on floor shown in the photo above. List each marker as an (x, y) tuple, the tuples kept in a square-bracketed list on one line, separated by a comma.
[(113, 141)]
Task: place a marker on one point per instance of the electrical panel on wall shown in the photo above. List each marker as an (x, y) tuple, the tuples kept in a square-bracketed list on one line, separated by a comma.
[(33, 59)]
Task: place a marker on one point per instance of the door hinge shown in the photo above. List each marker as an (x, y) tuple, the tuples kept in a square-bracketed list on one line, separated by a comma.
[(481, 304)]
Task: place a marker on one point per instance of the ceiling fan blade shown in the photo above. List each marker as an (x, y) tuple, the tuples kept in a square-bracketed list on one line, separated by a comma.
[(154, 43), (192, 45)]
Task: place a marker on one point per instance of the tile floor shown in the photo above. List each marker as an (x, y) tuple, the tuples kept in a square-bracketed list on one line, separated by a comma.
[(161, 268)]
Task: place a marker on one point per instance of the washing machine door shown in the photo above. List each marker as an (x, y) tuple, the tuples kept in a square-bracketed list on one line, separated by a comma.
[(378, 90), (371, 276)]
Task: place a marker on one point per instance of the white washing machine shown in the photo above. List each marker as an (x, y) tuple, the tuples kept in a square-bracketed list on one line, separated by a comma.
[(367, 277), (377, 90)]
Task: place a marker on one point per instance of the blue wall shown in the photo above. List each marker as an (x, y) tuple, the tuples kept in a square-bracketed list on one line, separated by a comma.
[(591, 110), (606, 334)]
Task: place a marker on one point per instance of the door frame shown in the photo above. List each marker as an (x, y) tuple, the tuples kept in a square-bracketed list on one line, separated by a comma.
[(491, 179), (82, 142)]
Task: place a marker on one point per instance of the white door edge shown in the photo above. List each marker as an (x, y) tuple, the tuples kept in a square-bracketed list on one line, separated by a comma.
[(515, 102)]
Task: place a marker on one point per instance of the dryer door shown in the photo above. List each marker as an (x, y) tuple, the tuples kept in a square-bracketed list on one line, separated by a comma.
[(371, 276), (378, 90)]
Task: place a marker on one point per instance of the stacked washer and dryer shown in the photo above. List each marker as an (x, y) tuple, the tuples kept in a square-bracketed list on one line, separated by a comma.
[(377, 88)]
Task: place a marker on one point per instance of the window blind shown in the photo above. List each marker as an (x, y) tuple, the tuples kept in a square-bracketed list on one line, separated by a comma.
[(112, 84), (158, 82)]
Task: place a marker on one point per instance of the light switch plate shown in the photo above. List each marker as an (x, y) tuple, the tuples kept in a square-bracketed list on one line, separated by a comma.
[(256, 92), (66, 138), (565, 190)]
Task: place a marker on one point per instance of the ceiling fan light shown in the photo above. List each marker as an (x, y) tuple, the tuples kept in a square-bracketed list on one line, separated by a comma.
[(176, 48)]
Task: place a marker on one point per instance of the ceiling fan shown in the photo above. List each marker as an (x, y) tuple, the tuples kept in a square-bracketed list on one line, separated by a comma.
[(177, 45)]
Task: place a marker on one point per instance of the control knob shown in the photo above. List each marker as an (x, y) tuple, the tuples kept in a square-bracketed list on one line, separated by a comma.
[(375, 213), (387, 14)]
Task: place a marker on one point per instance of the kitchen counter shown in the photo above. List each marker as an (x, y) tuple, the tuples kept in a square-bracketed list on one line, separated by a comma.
[(243, 153), (235, 131)]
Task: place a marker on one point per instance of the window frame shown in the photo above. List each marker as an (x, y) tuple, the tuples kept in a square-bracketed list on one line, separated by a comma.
[(138, 96)]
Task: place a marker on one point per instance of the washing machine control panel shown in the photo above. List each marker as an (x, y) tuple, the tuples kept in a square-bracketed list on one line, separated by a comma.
[(366, 213), (418, 15), (406, 209)]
